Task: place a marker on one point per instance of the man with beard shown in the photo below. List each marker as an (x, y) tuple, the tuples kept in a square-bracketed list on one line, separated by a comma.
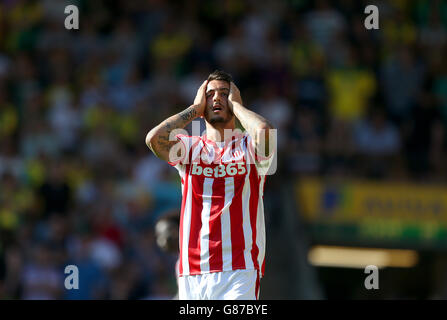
[(222, 228)]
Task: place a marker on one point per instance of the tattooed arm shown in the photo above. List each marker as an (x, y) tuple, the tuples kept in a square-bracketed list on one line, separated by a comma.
[(158, 138)]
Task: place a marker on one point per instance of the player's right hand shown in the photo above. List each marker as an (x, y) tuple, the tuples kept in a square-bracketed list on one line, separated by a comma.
[(200, 99)]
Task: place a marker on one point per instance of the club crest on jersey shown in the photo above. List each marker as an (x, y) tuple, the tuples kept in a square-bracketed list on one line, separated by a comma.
[(238, 154)]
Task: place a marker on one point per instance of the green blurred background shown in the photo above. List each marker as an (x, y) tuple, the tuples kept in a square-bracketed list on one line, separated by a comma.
[(361, 117)]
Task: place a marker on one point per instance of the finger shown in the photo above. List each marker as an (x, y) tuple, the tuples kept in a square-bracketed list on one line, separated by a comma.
[(233, 87), (205, 84), (202, 85)]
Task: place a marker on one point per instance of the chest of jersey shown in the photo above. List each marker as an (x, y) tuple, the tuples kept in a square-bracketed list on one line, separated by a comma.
[(218, 163), (222, 170)]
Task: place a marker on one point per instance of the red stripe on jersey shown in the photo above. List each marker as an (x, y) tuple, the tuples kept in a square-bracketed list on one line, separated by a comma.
[(196, 224), (182, 213), (254, 198), (215, 225), (237, 232)]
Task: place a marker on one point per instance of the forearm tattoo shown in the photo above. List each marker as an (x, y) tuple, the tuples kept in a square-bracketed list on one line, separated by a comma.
[(188, 114)]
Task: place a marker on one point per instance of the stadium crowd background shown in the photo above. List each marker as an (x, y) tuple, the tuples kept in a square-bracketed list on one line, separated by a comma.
[(79, 186)]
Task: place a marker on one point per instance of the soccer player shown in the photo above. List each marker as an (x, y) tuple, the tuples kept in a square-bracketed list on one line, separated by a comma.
[(222, 229)]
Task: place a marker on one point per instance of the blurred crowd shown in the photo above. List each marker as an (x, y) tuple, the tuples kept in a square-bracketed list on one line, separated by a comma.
[(78, 184)]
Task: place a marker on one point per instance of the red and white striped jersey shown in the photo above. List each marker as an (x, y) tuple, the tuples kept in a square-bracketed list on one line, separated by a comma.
[(222, 216)]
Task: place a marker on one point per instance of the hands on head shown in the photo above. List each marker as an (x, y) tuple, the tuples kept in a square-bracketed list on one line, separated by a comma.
[(200, 99), (234, 96)]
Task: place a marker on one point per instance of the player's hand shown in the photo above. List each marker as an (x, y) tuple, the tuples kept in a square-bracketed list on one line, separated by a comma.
[(200, 99), (235, 95)]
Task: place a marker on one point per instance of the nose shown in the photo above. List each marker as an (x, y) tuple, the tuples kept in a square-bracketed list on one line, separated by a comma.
[(216, 97)]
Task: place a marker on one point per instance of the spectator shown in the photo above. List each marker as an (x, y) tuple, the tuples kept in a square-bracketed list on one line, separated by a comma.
[(425, 138), (305, 145), (351, 87), (402, 79), (338, 148), (13, 266), (377, 140), (55, 192), (93, 281), (41, 279), (324, 23)]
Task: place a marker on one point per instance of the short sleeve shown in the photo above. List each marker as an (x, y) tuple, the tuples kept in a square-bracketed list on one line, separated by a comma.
[(265, 164), (180, 153)]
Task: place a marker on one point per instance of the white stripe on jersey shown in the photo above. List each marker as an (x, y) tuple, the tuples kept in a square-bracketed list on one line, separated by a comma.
[(186, 228), (205, 230), (260, 225), (226, 225), (197, 151), (246, 221)]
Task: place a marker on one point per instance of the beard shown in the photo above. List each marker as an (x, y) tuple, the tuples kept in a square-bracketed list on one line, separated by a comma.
[(217, 119)]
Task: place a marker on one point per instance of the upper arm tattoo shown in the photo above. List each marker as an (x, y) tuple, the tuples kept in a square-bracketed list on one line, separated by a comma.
[(163, 142)]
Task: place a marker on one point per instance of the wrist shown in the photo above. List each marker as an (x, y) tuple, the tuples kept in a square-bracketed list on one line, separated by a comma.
[(236, 105)]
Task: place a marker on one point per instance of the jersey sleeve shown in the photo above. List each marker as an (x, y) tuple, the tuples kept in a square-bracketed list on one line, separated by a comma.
[(265, 164), (180, 153)]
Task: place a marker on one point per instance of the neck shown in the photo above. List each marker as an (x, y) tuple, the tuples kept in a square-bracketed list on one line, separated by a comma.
[(216, 132)]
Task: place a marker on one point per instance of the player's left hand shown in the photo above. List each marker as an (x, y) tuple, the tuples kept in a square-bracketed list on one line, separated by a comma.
[(235, 94), (200, 99)]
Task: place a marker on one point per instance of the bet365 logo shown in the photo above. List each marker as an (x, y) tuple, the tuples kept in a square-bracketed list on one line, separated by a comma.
[(219, 171)]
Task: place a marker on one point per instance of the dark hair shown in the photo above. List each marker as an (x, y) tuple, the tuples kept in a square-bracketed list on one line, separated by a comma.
[(172, 216), (220, 75)]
